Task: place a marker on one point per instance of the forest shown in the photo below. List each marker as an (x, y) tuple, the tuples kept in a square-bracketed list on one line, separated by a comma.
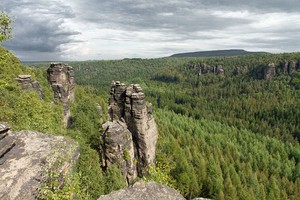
[(229, 135)]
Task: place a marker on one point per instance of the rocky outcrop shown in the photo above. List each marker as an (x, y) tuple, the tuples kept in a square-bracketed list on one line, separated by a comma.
[(27, 83), (203, 68), (61, 78), (145, 191), (117, 147), (219, 70), (127, 106), (270, 71), (27, 158), (290, 67), (7, 142)]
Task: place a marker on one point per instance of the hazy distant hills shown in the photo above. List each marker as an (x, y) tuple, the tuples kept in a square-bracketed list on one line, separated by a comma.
[(215, 53)]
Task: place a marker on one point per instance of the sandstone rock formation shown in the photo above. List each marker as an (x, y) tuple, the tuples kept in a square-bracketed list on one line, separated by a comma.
[(26, 158), (27, 83), (270, 71), (219, 70), (7, 142), (61, 78), (203, 68), (117, 147), (145, 191), (127, 106), (290, 67)]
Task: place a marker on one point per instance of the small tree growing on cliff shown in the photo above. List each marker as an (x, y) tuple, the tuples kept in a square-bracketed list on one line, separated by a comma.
[(5, 27)]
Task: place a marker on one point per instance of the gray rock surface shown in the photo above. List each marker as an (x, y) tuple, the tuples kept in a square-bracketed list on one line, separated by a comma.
[(270, 71), (23, 167), (127, 105), (117, 147), (6, 141), (61, 78), (138, 117), (144, 191), (220, 70), (291, 67), (27, 83), (203, 68)]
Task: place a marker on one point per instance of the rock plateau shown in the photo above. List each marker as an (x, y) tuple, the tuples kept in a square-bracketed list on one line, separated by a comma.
[(25, 158)]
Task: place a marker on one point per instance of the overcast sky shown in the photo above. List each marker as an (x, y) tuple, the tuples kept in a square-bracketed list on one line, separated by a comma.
[(114, 29)]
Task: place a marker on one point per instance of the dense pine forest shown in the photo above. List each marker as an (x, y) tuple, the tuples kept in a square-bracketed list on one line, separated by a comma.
[(227, 134)]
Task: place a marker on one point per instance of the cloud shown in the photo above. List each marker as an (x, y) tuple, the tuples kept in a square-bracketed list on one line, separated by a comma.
[(39, 27), (108, 29)]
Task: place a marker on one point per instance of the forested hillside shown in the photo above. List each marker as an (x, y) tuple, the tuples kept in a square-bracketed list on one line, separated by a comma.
[(223, 134), (26, 110), (229, 52)]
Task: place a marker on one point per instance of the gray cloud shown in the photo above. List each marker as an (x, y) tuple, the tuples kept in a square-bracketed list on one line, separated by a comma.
[(58, 28), (39, 26)]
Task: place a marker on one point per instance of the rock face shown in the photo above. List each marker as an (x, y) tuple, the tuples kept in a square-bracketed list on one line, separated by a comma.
[(7, 142), (127, 106), (27, 157), (203, 68), (61, 78), (270, 71), (118, 148), (27, 83), (290, 67), (145, 191)]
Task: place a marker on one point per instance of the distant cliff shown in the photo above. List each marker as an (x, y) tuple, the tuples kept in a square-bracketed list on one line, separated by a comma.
[(216, 53)]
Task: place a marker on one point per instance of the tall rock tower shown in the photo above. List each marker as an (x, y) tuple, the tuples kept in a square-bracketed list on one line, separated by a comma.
[(61, 78), (130, 115)]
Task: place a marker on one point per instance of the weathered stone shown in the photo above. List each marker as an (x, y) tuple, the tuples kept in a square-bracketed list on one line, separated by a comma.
[(270, 71), (284, 66), (26, 163), (219, 70), (61, 78), (27, 83), (291, 67), (145, 191), (117, 147), (4, 127), (127, 104), (142, 126), (6, 141)]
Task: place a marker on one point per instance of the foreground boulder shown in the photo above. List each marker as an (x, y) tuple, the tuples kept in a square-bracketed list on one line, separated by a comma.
[(28, 157), (145, 191)]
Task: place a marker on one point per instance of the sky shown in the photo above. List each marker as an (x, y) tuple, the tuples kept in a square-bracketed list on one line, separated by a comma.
[(60, 30)]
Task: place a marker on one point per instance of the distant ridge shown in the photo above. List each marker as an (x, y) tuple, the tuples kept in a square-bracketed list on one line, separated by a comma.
[(215, 53)]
